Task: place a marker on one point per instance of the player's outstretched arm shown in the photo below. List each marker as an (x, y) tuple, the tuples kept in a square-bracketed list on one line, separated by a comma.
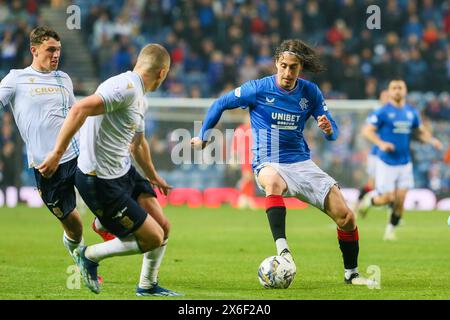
[(89, 106), (141, 153), (425, 136), (369, 131), (228, 101)]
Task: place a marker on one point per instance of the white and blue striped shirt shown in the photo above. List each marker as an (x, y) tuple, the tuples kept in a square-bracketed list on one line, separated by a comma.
[(40, 101)]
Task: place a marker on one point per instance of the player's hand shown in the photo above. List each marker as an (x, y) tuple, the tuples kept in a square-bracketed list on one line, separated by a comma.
[(324, 124), (197, 143), (50, 165), (386, 147), (161, 184), (437, 144)]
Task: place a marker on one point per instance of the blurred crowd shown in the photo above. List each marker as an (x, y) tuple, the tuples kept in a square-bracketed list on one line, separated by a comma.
[(216, 45), (17, 18)]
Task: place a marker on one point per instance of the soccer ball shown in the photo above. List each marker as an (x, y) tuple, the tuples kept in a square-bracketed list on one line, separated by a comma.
[(276, 272)]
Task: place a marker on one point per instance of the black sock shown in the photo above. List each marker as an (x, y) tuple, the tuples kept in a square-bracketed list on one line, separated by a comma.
[(362, 193), (349, 245), (277, 221), (276, 213), (395, 219)]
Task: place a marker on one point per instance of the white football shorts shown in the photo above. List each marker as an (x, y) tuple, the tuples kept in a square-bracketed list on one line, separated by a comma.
[(305, 181), (389, 178), (371, 165)]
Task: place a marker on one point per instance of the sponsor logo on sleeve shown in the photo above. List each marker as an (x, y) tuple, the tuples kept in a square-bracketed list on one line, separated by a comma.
[(237, 92)]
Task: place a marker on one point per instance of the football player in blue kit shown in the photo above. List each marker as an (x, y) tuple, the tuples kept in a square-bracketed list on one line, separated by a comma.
[(371, 160), (279, 106), (391, 129)]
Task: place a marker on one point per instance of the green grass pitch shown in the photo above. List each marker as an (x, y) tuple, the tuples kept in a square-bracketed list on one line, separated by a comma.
[(215, 253)]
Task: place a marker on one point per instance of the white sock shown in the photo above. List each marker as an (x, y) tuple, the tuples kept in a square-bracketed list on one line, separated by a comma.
[(390, 228), (281, 244), (150, 266), (70, 244), (98, 225), (349, 272), (112, 248)]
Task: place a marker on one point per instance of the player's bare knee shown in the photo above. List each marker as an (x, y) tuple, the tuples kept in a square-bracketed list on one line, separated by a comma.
[(347, 221), (391, 197), (150, 243), (165, 225), (275, 187)]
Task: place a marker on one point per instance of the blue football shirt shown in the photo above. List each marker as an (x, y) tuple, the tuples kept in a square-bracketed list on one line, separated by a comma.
[(278, 117), (374, 150), (396, 125)]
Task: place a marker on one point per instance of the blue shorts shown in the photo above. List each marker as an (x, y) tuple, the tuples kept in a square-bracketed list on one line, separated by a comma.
[(58, 192), (114, 201)]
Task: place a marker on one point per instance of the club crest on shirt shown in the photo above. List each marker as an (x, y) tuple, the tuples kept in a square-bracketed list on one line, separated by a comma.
[(409, 115), (31, 80), (391, 115), (303, 103)]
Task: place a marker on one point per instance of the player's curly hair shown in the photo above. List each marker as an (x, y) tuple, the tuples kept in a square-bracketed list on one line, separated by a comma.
[(307, 55), (42, 33)]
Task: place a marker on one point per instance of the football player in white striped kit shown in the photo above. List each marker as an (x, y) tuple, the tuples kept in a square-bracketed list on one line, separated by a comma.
[(40, 97), (122, 200)]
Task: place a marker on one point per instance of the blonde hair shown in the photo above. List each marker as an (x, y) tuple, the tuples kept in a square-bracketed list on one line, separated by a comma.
[(153, 57)]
